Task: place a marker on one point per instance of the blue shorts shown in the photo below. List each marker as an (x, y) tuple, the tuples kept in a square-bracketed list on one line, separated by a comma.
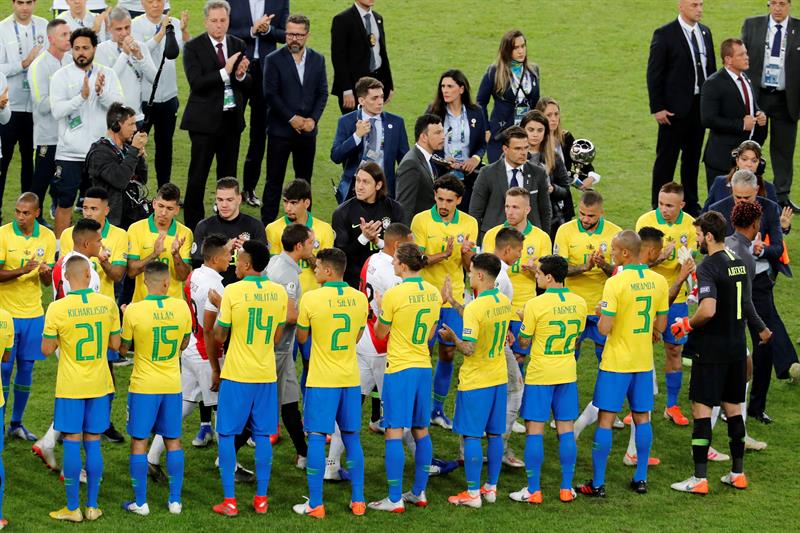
[(514, 327), (304, 349), (66, 182), (538, 401), (480, 411), (612, 388), (453, 320), (592, 333), (324, 406), (112, 355), (82, 415), (28, 339), (407, 398), (159, 414), (675, 311), (240, 403)]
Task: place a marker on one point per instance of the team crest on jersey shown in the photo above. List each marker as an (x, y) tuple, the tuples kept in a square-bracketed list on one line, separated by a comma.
[(460, 239), (530, 250), (684, 239), (603, 247), (40, 40), (316, 244), (385, 222), (40, 252)]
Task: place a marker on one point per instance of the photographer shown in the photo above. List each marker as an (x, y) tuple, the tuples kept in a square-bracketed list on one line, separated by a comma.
[(117, 159)]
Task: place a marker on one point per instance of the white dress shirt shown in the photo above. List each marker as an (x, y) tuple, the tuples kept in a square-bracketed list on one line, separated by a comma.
[(428, 156), (256, 12), (778, 61), (735, 77), (510, 173), (688, 30), (301, 66)]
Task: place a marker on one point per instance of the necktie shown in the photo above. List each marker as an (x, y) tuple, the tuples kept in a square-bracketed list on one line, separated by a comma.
[(698, 62), (514, 180), (220, 55), (368, 26), (372, 137), (776, 42), (746, 96)]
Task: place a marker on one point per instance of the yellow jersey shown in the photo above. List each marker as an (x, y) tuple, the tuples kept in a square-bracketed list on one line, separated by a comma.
[(157, 327), (115, 240), (253, 309), (554, 321), (633, 297), (486, 320), (6, 341), (323, 238), (536, 244), (575, 244), (82, 321), (680, 233), (430, 233), (336, 314), (412, 310), (142, 236), (22, 296)]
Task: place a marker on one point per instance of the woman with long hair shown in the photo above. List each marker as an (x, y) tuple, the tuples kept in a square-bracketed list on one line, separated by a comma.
[(513, 83), (746, 156)]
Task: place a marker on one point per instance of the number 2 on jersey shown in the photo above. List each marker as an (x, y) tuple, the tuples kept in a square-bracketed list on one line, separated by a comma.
[(94, 333), (335, 346), (569, 340)]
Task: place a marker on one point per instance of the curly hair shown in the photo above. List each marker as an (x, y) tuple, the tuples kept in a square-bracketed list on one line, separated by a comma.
[(745, 214)]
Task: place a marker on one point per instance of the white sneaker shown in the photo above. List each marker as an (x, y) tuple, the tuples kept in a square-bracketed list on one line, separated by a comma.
[(510, 459), (524, 496), (489, 494), (388, 505), (752, 444), (518, 428), (251, 442), (618, 424), (693, 485), (552, 424), (375, 427), (717, 457), (332, 471), (413, 499), (175, 507), (46, 454), (131, 507), (300, 462), (441, 420)]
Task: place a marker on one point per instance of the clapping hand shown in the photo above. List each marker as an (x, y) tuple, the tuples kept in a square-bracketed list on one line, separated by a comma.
[(158, 246), (4, 98), (231, 61), (467, 245), (447, 334), (241, 70), (371, 230), (448, 246), (98, 85), (447, 289), (176, 245), (85, 87), (262, 24)]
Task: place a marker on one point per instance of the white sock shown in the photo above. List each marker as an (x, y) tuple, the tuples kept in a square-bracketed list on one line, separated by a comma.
[(655, 383), (50, 438), (632, 440), (408, 439), (588, 417), (187, 409), (714, 416), (156, 449), (336, 448)]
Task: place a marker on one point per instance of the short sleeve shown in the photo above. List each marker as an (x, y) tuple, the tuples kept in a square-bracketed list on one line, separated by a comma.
[(119, 253), (186, 325), (186, 248), (2, 250), (662, 298), (127, 326), (545, 245), (608, 304), (225, 311), (561, 244), (304, 314), (221, 291), (115, 325), (50, 250), (706, 286), (284, 307), (418, 229), (387, 308), (488, 244), (528, 328), (51, 323), (134, 245), (472, 233), (472, 326)]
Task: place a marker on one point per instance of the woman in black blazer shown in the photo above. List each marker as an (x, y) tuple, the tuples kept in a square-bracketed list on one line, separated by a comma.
[(514, 86), (465, 129)]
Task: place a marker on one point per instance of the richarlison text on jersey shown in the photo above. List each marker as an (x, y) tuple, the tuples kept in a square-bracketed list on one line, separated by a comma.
[(95, 310)]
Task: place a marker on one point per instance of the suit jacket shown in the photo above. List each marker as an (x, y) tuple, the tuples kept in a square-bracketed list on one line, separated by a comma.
[(346, 152), (670, 68), (721, 111), (754, 35), (287, 97), (504, 104), (414, 184), (350, 50), (478, 126), (242, 21), (203, 112), (488, 200)]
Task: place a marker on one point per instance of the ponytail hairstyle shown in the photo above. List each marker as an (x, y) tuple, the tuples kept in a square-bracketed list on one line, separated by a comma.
[(409, 254)]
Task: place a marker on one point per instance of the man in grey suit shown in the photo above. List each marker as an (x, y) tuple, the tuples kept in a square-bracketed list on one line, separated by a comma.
[(487, 204), (415, 175), (773, 41)]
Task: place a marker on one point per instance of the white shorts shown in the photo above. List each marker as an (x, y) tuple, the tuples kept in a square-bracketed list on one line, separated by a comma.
[(196, 380), (372, 369)]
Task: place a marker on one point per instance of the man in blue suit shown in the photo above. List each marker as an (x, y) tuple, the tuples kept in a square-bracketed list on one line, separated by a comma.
[(261, 24), (296, 90), (368, 134)]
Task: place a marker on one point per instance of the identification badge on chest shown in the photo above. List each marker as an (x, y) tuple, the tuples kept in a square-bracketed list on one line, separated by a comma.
[(374, 155), (772, 73), (228, 101), (74, 122), (25, 86), (519, 112)]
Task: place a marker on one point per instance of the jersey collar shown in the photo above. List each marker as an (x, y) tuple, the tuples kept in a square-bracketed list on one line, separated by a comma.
[(560, 291), (490, 292), (660, 219), (255, 278), (173, 227), (597, 229), (156, 297), (106, 228), (309, 221), (639, 268), (415, 279), (18, 231), (338, 285), (528, 227), (437, 218), (82, 291)]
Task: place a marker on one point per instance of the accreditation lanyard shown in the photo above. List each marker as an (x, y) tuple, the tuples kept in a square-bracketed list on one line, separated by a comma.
[(19, 39), (128, 60), (457, 128)]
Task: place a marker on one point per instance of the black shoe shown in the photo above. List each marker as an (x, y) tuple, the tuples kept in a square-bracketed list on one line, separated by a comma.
[(762, 417), (639, 487), (251, 199), (112, 435), (244, 475), (156, 473), (794, 207), (588, 489)]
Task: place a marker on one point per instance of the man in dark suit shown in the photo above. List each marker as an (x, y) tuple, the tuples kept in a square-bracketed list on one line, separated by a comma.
[(216, 70), (358, 49), (487, 204), (729, 110), (261, 24), (368, 134), (416, 172), (775, 73), (681, 58), (296, 88)]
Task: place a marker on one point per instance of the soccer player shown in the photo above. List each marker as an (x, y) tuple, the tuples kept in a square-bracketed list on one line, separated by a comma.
[(552, 322), (482, 380), (195, 367), (88, 245), (253, 313), (6, 345), (677, 227), (411, 311), (634, 305), (717, 340), (160, 327), (161, 237), (337, 314), (82, 326), (27, 256), (443, 233)]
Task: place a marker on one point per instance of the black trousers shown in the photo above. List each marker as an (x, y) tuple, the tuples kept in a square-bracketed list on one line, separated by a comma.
[(258, 128), (164, 117), (779, 352), (782, 138), (44, 171), (224, 145), (683, 137), (18, 130), (302, 149)]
